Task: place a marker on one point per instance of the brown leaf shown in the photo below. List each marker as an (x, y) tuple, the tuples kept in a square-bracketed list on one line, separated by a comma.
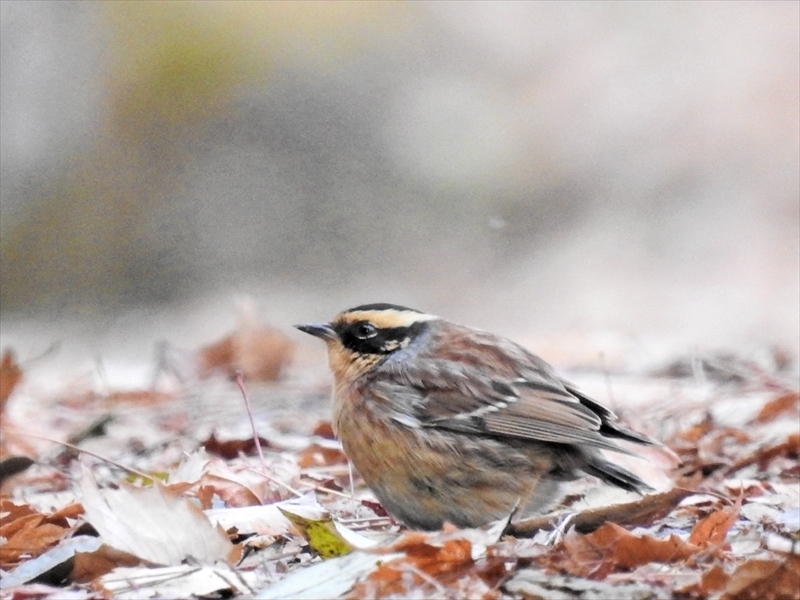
[(10, 512), (612, 548), (316, 455), (765, 580), (10, 376), (29, 533), (324, 429), (640, 512), (712, 580), (232, 493), (230, 449), (88, 566), (139, 397), (375, 507), (261, 353), (786, 404), (445, 569), (713, 529), (219, 356), (694, 433), (30, 540), (790, 447)]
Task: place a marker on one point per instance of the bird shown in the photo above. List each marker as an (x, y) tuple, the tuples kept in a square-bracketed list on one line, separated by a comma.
[(448, 423)]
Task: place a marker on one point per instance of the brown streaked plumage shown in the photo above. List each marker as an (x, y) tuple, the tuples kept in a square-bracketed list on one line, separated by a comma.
[(449, 423)]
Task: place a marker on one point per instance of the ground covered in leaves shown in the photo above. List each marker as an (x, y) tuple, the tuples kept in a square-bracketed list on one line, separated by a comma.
[(160, 489)]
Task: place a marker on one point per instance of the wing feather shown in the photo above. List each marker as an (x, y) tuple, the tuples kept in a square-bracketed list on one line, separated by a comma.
[(529, 408)]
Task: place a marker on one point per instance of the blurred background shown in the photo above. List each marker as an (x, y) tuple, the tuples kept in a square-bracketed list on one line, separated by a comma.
[(586, 177)]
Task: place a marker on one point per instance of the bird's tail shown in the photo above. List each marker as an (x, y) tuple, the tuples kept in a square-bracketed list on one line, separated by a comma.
[(614, 475)]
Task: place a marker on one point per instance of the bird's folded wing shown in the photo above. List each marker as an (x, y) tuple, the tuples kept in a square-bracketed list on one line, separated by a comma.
[(525, 408)]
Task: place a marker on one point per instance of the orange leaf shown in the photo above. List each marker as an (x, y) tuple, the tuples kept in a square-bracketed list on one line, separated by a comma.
[(11, 512), (10, 376), (765, 580), (261, 353), (713, 529), (785, 404), (139, 397), (316, 455), (30, 541), (70, 511), (230, 449), (324, 429), (88, 566), (713, 580), (611, 548), (441, 569)]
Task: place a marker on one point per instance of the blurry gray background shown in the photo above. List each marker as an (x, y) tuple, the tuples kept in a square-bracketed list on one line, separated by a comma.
[(559, 170)]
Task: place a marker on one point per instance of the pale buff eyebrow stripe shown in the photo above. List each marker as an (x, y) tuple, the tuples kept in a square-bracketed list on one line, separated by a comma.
[(387, 319)]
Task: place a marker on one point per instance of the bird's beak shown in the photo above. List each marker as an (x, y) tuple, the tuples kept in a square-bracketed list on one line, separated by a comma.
[(323, 331)]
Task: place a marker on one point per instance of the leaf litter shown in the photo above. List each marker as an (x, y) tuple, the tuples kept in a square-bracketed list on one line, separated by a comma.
[(168, 497)]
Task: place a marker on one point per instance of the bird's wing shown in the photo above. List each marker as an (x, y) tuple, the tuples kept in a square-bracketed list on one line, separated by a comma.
[(610, 426), (443, 394)]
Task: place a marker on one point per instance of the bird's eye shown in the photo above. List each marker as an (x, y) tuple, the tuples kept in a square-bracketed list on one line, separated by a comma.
[(365, 331)]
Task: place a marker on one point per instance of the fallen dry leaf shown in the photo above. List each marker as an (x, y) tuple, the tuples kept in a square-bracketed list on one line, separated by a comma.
[(320, 533), (29, 533), (639, 512), (259, 352), (790, 448), (611, 548), (713, 529), (787, 404), (12, 442), (713, 580), (230, 449), (765, 580), (324, 429), (317, 455), (232, 493), (138, 397), (264, 520), (10, 376), (184, 581), (427, 569), (88, 566), (154, 524)]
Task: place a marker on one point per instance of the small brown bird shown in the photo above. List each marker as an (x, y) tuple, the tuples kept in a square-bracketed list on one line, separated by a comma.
[(449, 423)]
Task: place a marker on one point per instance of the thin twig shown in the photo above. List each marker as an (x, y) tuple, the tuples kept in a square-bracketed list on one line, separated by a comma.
[(240, 383), (264, 473), (90, 453)]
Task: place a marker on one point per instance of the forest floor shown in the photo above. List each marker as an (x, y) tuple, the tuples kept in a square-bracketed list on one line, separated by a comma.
[(123, 481)]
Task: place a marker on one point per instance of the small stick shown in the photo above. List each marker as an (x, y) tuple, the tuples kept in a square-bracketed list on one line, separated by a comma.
[(640, 512), (264, 469), (90, 453), (240, 383)]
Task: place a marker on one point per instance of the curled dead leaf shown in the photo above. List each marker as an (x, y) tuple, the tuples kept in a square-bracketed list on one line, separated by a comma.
[(153, 523), (787, 404), (230, 449), (611, 548), (316, 455), (260, 352), (639, 512), (713, 529), (10, 376), (765, 580), (431, 567)]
